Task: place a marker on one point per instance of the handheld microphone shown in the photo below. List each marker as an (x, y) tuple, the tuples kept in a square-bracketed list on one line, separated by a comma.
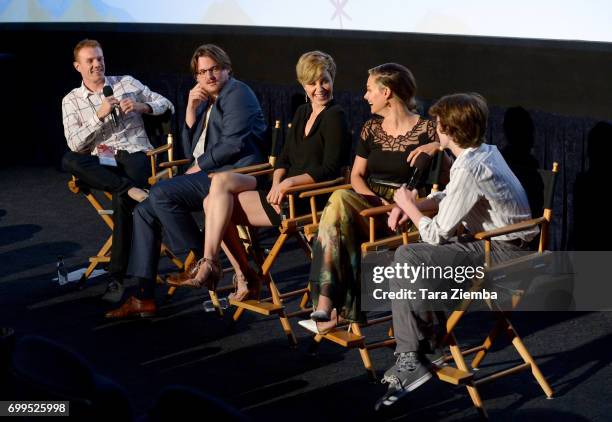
[(108, 92), (421, 164)]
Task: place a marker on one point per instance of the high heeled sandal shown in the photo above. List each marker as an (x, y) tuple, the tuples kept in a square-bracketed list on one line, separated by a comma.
[(195, 283), (322, 316), (251, 289), (311, 324)]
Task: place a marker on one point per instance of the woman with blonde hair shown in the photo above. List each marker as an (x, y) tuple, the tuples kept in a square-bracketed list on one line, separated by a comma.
[(317, 147)]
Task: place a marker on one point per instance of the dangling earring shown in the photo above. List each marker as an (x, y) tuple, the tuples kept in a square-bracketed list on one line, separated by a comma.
[(306, 97)]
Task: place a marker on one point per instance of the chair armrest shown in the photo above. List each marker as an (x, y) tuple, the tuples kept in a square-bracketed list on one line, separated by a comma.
[(383, 209), (311, 186), (255, 168), (512, 228), (323, 191), (261, 172), (160, 175), (374, 211), (174, 163), (159, 150)]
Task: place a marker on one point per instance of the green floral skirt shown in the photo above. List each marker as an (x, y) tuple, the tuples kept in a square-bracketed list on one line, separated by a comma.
[(336, 267)]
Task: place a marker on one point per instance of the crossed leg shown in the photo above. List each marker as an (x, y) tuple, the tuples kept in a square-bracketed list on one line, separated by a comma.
[(232, 200)]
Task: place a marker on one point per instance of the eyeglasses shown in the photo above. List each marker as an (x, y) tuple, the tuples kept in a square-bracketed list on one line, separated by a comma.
[(215, 70)]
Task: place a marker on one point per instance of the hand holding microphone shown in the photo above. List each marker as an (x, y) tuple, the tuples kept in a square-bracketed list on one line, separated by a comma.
[(407, 193), (109, 105)]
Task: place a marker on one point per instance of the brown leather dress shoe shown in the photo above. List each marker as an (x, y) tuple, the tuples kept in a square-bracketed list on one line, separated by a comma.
[(134, 307)]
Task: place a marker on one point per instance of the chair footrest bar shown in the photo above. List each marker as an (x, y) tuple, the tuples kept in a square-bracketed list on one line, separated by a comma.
[(453, 375), (383, 343), (376, 321), (263, 308), (99, 259), (503, 373), (472, 350), (301, 312), (344, 338), (287, 294)]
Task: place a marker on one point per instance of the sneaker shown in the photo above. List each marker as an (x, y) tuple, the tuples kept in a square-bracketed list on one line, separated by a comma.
[(406, 375), (114, 292), (432, 354)]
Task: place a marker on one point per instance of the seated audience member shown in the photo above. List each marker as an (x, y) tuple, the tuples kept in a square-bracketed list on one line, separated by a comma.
[(390, 141), (482, 194), (223, 127), (107, 142), (316, 149)]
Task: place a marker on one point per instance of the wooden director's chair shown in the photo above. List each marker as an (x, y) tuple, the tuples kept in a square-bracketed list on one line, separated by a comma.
[(503, 323), (157, 128), (458, 372), (291, 226), (351, 335)]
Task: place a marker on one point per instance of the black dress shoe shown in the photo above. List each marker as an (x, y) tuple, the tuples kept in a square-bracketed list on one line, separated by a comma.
[(114, 292)]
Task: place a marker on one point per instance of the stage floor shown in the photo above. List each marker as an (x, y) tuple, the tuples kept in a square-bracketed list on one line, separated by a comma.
[(250, 365)]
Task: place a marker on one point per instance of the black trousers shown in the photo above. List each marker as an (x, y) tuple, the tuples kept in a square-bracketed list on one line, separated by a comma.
[(132, 170)]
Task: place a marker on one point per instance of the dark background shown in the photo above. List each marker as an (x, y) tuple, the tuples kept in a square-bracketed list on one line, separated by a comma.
[(569, 78)]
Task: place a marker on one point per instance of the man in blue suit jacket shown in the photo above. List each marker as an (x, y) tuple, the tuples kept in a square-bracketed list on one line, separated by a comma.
[(223, 126)]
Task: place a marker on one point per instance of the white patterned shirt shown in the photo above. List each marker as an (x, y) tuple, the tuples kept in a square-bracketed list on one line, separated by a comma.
[(482, 194), (84, 131)]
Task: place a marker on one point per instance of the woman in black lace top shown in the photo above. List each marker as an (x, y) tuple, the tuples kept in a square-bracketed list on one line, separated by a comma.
[(390, 141)]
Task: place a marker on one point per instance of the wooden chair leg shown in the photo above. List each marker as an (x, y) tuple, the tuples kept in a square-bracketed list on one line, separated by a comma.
[(167, 252), (287, 328), (365, 355), (271, 258), (105, 249), (170, 292), (284, 320), (104, 252), (237, 314), (305, 299), (499, 327), (518, 344), (90, 268), (215, 302), (461, 365)]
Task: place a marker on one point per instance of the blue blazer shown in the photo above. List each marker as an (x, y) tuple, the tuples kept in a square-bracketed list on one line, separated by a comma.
[(236, 129)]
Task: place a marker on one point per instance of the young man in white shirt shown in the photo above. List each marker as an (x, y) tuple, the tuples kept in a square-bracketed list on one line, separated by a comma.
[(482, 194)]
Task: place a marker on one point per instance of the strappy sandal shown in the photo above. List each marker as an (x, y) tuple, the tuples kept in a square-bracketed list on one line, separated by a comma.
[(311, 324), (245, 289), (197, 283)]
